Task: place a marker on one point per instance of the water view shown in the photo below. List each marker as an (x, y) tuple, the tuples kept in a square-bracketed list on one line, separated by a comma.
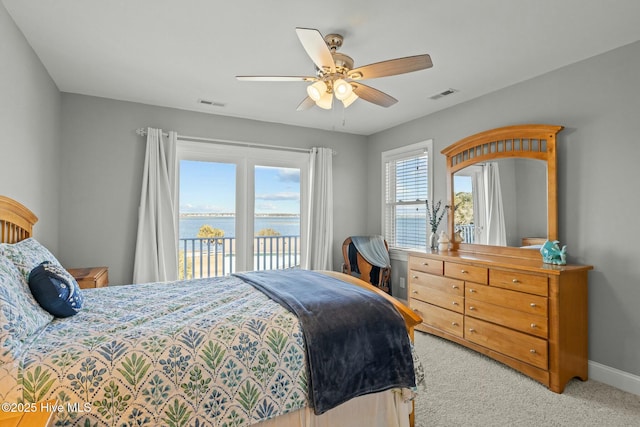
[(285, 225)]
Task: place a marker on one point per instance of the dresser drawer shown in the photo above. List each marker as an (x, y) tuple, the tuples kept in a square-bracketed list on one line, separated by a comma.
[(443, 299), (466, 272), (528, 323), (519, 281), (440, 283), (526, 303), (520, 346), (426, 265), (439, 318)]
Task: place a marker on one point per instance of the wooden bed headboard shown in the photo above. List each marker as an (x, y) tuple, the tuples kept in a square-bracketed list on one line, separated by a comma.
[(16, 221)]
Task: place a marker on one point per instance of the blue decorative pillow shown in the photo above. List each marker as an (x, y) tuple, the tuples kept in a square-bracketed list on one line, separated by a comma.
[(55, 289)]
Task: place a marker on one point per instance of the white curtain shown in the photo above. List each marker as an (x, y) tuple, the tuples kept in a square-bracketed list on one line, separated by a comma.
[(319, 233), (496, 233), (156, 256), (479, 206)]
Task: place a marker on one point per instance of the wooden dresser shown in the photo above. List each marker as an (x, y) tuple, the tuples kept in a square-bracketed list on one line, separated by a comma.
[(524, 313)]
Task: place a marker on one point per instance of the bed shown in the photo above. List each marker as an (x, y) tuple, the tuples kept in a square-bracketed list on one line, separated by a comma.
[(207, 352)]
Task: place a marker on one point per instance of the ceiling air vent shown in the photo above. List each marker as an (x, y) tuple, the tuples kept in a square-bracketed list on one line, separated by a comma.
[(210, 103), (444, 93)]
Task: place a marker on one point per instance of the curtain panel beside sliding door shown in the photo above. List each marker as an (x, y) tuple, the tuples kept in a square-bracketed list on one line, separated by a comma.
[(319, 242), (156, 243)]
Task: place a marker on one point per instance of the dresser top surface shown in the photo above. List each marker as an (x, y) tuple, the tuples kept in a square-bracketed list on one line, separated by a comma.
[(488, 260)]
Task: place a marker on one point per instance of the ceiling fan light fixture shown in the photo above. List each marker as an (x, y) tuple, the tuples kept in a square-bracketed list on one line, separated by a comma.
[(335, 75), (325, 101), (317, 90), (349, 99), (342, 89)]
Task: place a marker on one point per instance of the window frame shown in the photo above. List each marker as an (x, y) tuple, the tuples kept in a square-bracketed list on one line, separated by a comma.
[(394, 155)]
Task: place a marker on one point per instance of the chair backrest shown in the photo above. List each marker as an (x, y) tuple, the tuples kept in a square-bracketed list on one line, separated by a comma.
[(362, 268)]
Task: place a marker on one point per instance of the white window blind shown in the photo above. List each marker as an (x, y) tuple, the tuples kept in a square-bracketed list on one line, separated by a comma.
[(406, 188)]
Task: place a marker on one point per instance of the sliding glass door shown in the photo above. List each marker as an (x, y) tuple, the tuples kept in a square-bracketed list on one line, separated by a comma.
[(276, 221), (239, 209), (206, 223)]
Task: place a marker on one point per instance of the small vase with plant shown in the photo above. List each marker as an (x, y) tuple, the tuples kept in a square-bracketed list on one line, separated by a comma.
[(434, 216)]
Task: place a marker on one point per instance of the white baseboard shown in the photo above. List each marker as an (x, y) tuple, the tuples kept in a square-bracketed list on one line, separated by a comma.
[(614, 377)]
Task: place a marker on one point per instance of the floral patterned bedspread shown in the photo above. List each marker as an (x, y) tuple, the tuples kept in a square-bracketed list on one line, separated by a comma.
[(167, 354)]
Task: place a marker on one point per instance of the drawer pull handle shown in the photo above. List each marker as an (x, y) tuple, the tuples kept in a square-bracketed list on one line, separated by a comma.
[(471, 291), (454, 303), (455, 287), (454, 323), (533, 305), (425, 263), (463, 271), (414, 277), (414, 292), (471, 330), (515, 280), (533, 325), (471, 307), (532, 351)]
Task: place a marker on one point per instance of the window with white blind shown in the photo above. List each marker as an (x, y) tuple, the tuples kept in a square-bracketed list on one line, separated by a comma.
[(407, 175)]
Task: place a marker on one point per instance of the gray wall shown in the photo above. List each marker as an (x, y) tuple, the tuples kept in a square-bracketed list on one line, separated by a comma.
[(101, 174), (30, 123), (598, 102)]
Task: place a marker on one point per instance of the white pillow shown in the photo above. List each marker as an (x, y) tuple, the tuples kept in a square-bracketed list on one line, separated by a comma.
[(27, 255), (20, 314)]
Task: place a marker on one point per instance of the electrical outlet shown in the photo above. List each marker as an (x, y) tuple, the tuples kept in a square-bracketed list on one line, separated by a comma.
[(402, 285)]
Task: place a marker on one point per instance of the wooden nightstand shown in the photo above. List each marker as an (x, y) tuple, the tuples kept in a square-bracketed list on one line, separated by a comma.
[(91, 277)]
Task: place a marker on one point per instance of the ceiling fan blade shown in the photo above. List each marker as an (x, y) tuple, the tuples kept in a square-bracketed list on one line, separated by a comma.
[(306, 104), (391, 67), (316, 48), (276, 78), (373, 95)]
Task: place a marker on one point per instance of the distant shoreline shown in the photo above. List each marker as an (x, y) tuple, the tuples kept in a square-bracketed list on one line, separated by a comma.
[(227, 215)]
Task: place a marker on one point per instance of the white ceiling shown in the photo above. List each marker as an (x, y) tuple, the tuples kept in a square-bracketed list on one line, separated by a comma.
[(173, 53)]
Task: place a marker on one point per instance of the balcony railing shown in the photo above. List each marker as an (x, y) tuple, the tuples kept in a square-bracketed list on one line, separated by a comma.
[(213, 257), (468, 232)]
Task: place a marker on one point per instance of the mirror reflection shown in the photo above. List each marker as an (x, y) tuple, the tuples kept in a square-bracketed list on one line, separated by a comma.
[(502, 202)]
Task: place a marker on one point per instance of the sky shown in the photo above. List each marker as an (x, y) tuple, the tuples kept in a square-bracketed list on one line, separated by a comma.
[(208, 187), (462, 184)]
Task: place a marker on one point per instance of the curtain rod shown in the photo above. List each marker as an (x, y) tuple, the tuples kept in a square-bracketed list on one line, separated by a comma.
[(143, 132)]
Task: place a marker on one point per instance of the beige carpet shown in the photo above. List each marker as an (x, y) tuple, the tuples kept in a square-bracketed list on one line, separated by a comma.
[(465, 388)]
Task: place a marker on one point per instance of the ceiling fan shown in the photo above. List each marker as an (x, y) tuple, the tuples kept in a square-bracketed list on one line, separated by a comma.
[(335, 75)]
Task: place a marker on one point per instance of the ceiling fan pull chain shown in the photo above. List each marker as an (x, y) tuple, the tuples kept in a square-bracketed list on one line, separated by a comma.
[(344, 109)]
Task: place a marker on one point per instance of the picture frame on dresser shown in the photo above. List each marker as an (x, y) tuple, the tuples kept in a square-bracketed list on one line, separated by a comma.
[(505, 302)]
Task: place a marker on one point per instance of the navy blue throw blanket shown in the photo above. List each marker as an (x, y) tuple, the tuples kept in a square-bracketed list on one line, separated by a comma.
[(356, 340)]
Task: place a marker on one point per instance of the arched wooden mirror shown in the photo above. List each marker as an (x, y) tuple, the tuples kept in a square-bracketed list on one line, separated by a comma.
[(503, 182)]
